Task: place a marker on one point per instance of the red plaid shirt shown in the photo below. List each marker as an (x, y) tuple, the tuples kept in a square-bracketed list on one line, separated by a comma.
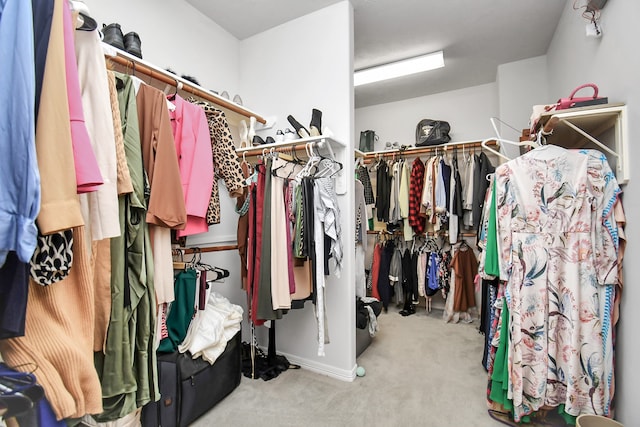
[(416, 183)]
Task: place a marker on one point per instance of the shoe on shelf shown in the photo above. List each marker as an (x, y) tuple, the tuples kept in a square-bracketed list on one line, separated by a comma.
[(279, 136), (301, 130), (257, 140), (315, 127), (237, 100), (244, 134), (289, 135), (112, 34), (252, 128), (269, 140), (133, 44)]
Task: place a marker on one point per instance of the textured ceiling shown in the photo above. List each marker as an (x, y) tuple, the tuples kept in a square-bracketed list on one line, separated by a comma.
[(476, 36)]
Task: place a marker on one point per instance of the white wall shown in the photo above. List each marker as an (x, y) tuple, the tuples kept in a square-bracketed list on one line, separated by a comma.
[(613, 64), (467, 111), (521, 84), (290, 69), (175, 35)]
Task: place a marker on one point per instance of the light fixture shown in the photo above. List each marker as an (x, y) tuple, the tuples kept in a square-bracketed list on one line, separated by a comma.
[(401, 68)]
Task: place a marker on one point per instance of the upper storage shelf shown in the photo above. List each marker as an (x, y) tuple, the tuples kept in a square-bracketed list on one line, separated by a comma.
[(132, 64), (587, 127)]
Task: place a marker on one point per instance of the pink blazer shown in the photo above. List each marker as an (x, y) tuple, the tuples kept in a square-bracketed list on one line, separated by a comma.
[(195, 159)]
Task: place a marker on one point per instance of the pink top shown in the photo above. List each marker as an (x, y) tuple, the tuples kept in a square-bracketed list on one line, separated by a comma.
[(195, 159), (88, 176)]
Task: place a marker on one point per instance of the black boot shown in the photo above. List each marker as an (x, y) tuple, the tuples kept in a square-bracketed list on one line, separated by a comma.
[(302, 132), (132, 44), (315, 127), (112, 34)]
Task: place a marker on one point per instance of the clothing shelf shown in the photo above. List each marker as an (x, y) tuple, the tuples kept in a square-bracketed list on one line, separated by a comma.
[(131, 65), (591, 127), (416, 151)]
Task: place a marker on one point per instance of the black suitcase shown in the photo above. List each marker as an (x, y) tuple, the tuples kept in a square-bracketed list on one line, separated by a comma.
[(190, 387)]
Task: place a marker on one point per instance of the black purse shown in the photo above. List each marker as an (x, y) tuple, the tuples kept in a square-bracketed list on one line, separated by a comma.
[(432, 132)]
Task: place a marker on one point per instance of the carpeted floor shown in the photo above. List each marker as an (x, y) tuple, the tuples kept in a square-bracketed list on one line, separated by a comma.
[(419, 371)]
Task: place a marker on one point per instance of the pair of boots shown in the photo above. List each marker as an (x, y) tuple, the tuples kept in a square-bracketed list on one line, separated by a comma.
[(315, 127), (130, 42)]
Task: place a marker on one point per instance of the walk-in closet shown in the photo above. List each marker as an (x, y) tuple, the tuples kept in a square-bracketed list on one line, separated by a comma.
[(213, 214)]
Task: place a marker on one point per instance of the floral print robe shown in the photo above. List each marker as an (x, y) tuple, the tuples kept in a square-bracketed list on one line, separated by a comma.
[(558, 256)]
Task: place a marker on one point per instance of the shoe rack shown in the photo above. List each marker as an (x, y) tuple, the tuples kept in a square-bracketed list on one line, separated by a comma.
[(129, 64)]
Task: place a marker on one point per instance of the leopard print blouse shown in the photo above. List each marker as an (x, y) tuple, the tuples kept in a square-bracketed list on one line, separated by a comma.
[(225, 159)]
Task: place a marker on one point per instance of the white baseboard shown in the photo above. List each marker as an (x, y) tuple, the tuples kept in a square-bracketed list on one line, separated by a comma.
[(323, 369)]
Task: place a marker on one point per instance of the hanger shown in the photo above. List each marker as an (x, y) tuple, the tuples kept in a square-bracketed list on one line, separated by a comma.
[(485, 146), (179, 265), (179, 86)]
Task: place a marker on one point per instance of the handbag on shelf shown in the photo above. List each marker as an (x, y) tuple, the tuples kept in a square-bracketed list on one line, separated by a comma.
[(573, 101), (367, 141), (432, 132)]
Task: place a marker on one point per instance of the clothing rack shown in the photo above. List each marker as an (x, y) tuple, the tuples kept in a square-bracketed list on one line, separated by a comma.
[(133, 65), (416, 151)]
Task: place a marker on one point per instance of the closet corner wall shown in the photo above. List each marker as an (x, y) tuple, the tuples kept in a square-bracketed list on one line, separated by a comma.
[(312, 76)]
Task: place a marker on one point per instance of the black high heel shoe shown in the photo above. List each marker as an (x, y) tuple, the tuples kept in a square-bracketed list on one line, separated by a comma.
[(315, 127), (301, 130), (257, 140)]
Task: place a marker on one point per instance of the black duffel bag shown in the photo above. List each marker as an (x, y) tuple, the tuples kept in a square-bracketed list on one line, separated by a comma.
[(432, 132)]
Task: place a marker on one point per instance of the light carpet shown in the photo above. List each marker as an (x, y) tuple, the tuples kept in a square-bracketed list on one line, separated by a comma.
[(419, 371)]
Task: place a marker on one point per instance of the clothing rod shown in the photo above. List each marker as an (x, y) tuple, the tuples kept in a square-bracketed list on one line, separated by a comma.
[(412, 151), (284, 147), (131, 63), (207, 249), (430, 233)]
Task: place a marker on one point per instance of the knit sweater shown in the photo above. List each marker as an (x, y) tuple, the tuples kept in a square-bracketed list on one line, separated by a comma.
[(58, 340)]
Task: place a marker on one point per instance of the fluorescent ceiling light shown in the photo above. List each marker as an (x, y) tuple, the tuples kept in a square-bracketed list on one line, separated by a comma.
[(401, 68)]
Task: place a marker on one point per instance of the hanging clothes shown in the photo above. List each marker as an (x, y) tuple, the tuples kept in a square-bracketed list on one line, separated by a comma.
[(60, 209), (101, 206), (20, 192), (130, 343), (264, 306), (360, 239), (480, 185), (181, 312), (383, 191), (195, 162), (225, 159), (88, 176), (465, 266), (416, 186), (280, 278), (61, 313), (166, 197), (551, 217)]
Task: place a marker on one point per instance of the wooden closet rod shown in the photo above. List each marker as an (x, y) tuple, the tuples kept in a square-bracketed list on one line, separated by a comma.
[(187, 251), (282, 147), (415, 151), (135, 65), (430, 233)]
